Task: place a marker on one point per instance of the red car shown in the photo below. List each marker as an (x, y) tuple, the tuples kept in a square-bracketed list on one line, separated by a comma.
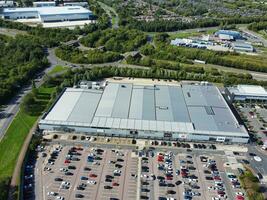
[(115, 184), (239, 197), (92, 175), (221, 192), (168, 177), (66, 161), (217, 178)]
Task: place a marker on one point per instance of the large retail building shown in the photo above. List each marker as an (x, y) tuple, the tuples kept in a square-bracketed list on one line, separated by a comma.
[(141, 110), (47, 14)]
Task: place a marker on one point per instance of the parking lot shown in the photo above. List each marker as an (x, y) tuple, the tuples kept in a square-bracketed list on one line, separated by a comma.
[(89, 173), (164, 173), (255, 117)]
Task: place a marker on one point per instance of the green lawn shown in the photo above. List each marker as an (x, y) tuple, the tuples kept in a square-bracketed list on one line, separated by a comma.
[(13, 140), (57, 69)]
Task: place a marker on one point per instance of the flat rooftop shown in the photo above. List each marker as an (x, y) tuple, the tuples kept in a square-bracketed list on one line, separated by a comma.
[(51, 10), (249, 90), (184, 108)]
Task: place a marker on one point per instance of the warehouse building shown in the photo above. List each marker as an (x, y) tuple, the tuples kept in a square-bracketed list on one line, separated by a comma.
[(44, 4), (242, 47), (228, 35), (246, 93), (48, 14), (173, 112)]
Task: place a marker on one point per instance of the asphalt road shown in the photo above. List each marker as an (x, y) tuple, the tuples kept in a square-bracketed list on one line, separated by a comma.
[(9, 110), (256, 35), (260, 167)]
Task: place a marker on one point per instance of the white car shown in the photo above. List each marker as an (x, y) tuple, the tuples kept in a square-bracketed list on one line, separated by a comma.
[(215, 198), (51, 163), (63, 169), (117, 171), (210, 188), (87, 138), (96, 163), (60, 198), (239, 193), (28, 177), (51, 194), (91, 182), (65, 183)]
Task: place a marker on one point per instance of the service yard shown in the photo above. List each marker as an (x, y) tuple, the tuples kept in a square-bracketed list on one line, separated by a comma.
[(68, 172)]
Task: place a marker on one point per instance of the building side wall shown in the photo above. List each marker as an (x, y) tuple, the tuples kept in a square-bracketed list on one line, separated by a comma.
[(144, 134), (65, 17), (21, 15)]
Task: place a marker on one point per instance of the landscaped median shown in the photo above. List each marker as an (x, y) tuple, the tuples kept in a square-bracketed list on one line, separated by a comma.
[(252, 186), (12, 142)]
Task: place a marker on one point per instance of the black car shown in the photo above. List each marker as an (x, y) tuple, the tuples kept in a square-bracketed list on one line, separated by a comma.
[(245, 161), (235, 153), (118, 166), (79, 196), (144, 197), (144, 183), (80, 188), (170, 185), (162, 184), (259, 176), (209, 178), (68, 173), (195, 146), (109, 177), (252, 154), (71, 167), (160, 178), (171, 192), (145, 190), (120, 160), (58, 179), (108, 180), (87, 169), (178, 182), (107, 187)]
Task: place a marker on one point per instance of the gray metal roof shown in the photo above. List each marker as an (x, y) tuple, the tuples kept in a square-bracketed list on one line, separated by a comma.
[(186, 109), (75, 105)]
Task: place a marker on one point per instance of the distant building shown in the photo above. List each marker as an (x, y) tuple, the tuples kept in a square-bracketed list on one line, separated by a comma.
[(246, 92), (47, 14), (82, 3), (228, 35), (6, 4), (44, 4), (242, 47)]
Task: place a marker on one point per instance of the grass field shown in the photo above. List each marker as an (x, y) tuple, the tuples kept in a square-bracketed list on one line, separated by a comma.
[(57, 69), (14, 138)]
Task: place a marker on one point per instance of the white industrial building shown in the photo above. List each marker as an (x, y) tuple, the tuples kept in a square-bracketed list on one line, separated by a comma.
[(47, 14), (242, 47), (151, 111), (44, 4), (246, 92), (6, 4), (78, 3)]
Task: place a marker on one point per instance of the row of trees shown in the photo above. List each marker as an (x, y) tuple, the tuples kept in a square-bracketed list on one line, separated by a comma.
[(93, 56), (20, 59), (73, 77), (118, 40), (257, 26), (161, 25)]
